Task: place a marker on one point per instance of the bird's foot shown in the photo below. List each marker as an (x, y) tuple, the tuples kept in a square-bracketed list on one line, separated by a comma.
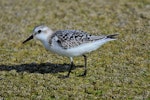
[(63, 76), (82, 75)]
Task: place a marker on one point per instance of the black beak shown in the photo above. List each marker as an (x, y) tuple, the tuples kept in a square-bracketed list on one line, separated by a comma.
[(31, 37)]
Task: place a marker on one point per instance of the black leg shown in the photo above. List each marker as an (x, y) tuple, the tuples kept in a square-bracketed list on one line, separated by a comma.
[(71, 66), (85, 63), (85, 68)]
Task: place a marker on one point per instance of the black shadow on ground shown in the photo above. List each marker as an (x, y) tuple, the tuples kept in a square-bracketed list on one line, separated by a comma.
[(38, 68)]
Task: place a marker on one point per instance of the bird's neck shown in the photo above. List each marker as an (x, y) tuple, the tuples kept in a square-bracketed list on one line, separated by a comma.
[(46, 42)]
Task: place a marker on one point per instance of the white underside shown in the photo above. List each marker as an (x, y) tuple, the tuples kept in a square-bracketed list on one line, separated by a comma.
[(75, 51)]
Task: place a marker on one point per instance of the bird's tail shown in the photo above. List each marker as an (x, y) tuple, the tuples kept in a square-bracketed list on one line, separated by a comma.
[(113, 36)]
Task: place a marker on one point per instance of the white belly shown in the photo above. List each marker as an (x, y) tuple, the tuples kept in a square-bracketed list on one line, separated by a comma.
[(76, 51)]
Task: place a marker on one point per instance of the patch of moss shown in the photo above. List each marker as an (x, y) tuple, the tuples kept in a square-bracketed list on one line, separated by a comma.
[(118, 70)]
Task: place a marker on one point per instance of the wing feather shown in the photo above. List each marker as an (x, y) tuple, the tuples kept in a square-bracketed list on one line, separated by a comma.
[(72, 38)]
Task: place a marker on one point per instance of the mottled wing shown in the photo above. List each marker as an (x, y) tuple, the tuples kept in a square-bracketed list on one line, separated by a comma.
[(72, 38)]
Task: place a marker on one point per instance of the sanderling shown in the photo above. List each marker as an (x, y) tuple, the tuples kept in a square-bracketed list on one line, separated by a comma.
[(69, 43)]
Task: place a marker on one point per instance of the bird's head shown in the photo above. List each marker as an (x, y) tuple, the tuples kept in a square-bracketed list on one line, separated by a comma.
[(40, 33)]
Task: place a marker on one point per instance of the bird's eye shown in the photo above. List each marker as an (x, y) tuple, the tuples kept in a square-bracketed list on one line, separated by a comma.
[(39, 31)]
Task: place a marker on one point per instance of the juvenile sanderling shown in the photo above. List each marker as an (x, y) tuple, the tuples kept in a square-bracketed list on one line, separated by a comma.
[(69, 43)]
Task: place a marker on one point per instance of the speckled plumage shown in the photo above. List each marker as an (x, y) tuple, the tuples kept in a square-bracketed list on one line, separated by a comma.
[(72, 38)]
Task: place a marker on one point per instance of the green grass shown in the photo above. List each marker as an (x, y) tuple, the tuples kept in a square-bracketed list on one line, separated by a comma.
[(118, 70)]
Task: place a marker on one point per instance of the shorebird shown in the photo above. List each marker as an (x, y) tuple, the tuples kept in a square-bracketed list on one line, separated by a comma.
[(69, 43)]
